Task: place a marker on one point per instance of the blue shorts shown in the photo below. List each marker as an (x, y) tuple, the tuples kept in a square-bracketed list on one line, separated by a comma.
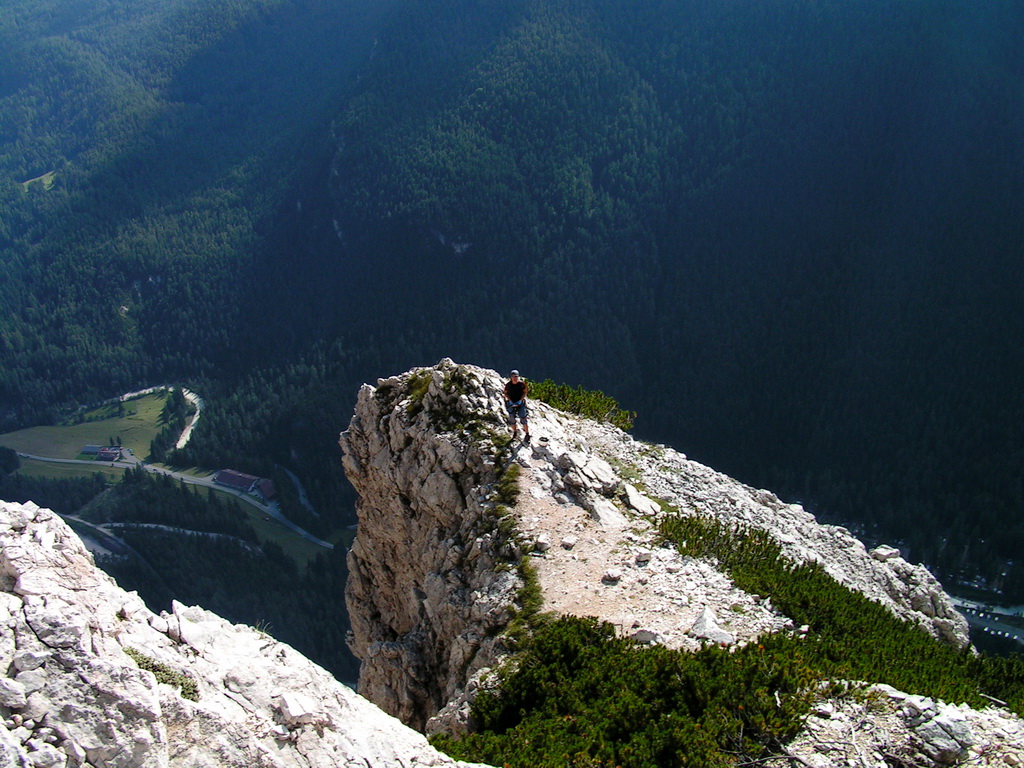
[(516, 410)]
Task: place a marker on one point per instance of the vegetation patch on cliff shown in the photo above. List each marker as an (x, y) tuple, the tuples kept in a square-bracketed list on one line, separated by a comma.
[(165, 674), (506, 490), (591, 404), (418, 385), (578, 695), (527, 617), (850, 637)]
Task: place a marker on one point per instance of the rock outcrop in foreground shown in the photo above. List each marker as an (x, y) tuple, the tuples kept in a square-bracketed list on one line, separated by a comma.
[(72, 696), (430, 588), (91, 677)]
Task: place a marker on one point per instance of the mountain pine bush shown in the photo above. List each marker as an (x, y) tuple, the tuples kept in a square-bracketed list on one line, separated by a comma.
[(592, 404), (580, 696), (855, 638)]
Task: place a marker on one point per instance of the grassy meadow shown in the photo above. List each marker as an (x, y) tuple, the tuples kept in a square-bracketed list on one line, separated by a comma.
[(54, 471), (46, 180), (136, 422)]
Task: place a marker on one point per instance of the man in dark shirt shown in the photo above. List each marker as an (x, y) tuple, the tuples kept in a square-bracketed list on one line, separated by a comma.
[(515, 401)]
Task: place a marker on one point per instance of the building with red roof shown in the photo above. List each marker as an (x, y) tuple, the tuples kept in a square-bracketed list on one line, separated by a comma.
[(235, 480)]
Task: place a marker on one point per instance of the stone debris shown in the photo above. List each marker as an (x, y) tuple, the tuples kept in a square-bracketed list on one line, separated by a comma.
[(297, 708), (646, 636), (639, 503), (612, 576), (72, 697), (881, 727), (706, 628), (885, 552)]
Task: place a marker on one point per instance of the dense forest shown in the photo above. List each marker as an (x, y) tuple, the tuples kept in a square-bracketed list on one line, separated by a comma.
[(788, 236), (162, 136)]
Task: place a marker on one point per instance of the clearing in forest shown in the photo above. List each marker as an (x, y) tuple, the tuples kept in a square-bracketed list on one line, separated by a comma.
[(136, 422)]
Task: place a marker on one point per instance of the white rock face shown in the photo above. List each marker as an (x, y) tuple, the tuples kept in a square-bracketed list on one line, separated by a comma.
[(429, 586), (706, 628), (428, 595), (71, 696), (908, 730)]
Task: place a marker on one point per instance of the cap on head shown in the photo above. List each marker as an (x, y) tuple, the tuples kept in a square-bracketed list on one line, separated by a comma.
[(515, 373)]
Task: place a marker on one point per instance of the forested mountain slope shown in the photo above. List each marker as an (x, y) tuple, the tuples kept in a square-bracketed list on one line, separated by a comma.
[(788, 234), (167, 135)]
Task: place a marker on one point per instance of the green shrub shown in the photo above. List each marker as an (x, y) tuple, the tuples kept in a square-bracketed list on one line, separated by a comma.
[(580, 696), (460, 381), (531, 598), (419, 383), (528, 618), (591, 404), (506, 490), (577, 695), (164, 674), (853, 637)]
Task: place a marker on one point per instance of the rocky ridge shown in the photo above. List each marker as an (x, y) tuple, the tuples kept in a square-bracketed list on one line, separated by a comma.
[(431, 590), (426, 592), (91, 677)]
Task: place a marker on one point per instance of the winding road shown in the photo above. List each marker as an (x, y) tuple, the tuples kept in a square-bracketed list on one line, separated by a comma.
[(131, 461), (186, 433)]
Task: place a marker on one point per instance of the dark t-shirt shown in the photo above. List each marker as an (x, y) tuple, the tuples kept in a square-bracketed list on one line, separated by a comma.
[(515, 391)]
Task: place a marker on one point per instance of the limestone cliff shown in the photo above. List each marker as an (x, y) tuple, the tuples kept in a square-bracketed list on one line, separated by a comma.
[(431, 588), (90, 677), (427, 590)]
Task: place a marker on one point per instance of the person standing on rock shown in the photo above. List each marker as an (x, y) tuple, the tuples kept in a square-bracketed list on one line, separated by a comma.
[(515, 401)]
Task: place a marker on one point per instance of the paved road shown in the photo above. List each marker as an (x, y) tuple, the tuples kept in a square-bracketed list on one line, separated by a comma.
[(270, 509), (989, 621), (197, 401), (52, 460), (303, 498)]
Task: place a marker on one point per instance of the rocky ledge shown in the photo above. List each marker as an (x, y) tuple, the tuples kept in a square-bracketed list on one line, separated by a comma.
[(431, 590), (91, 677)]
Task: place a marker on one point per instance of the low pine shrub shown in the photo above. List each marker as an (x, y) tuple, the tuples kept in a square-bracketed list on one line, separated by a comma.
[(165, 674), (506, 490), (580, 696), (851, 637), (591, 404), (418, 385), (577, 696)]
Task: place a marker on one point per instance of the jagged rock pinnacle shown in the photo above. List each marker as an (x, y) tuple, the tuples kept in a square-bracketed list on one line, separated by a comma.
[(433, 583), (91, 677)]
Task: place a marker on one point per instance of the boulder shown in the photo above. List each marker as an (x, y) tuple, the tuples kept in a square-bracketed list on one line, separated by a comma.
[(706, 628), (612, 576), (639, 503)]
